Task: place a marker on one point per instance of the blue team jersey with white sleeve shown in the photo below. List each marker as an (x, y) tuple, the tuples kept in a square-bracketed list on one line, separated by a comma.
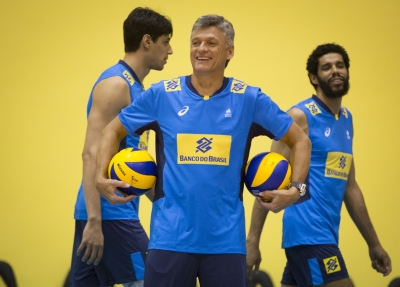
[(202, 146), (127, 211), (315, 218)]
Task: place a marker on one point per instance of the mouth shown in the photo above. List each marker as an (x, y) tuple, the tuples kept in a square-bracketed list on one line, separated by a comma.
[(201, 59), (337, 80)]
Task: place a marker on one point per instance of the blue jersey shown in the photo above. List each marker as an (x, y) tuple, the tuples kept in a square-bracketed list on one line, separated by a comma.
[(315, 218), (118, 211), (202, 146)]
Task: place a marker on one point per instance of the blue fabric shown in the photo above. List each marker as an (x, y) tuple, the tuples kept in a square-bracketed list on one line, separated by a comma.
[(202, 149), (315, 272), (138, 265), (315, 218), (117, 211)]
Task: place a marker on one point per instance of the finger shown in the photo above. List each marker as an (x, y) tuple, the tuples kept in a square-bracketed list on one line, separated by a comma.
[(80, 248), (249, 269), (387, 266), (87, 254), (119, 183), (99, 256), (122, 200), (93, 256), (257, 266)]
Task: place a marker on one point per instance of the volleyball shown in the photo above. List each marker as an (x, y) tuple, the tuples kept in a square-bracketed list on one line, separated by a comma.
[(135, 167), (267, 171)]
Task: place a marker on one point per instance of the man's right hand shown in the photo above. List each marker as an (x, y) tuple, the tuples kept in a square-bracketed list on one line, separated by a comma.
[(93, 242), (108, 189), (253, 257)]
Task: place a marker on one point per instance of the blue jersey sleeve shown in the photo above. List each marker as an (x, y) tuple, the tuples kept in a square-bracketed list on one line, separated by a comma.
[(140, 114), (268, 115)]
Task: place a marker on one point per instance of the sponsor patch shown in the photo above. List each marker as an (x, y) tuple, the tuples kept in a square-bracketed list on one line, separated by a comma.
[(203, 149), (338, 165)]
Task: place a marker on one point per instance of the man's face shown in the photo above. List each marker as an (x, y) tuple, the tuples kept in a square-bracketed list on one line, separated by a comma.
[(160, 50), (333, 77), (208, 50)]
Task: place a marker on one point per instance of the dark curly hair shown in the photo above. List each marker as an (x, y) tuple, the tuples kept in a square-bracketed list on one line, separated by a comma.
[(142, 21), (321, 50)]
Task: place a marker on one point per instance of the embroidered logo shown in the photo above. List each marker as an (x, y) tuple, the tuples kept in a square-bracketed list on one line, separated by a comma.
[(314, 110), (172, 85), (327, 132), (128, 77), (228, 113), (238, 87), (183, 111), (332, 264)]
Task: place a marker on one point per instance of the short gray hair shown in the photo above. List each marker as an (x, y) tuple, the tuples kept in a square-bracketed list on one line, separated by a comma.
[(213, 20)]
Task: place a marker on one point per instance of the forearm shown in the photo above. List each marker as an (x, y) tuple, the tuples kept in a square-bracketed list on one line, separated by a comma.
[(107, 149), (92, 196), (258, 216), (357, 209), (300, 159)]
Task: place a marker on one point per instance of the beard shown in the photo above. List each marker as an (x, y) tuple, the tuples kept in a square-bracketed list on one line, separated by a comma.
[(331, 93)]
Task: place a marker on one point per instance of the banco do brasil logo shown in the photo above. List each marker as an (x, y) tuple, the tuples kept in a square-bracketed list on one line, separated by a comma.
[(204, 144)]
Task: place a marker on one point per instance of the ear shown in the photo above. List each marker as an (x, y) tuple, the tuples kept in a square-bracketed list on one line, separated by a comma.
[(147, 41), (313, 78), (231, 52)]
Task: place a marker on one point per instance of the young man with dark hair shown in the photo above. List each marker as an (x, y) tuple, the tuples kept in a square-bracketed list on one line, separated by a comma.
[(110, 243)]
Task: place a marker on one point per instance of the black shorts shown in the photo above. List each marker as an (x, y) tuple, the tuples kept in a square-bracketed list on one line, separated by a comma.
[(124, 254), (310, 265), (177, 269)]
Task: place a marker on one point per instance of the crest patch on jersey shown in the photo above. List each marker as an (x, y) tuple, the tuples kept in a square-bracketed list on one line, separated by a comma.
[(314, 110), (344, 112), (332, 264), (203, 149), (172, 85), (338, 165), (238, 87), (144, 140), (128, 77)]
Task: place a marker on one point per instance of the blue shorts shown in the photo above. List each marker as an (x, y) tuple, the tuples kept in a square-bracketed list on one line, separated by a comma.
[(310, 265), (124, 254), (176, 269)]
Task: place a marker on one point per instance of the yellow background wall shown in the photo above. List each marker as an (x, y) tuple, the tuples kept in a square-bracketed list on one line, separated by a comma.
[(52, 52)]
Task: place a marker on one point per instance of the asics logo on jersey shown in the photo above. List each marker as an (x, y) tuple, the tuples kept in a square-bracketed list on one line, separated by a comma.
[(327, 132), (342, 162), (183, 111), (204, 145), (332, 264)]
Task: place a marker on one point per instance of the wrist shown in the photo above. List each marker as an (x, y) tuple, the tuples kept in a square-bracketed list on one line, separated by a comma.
[(299, 186)]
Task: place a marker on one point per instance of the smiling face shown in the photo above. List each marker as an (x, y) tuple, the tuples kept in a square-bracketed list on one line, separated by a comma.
[(332, 78), (159, 51), (208, 51)]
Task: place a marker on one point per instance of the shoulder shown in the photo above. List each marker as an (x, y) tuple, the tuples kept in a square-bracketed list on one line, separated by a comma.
[(169, 85), (345, 112), (299, 117)]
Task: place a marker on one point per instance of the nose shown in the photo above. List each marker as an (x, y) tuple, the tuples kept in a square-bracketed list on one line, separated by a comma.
[(202, 46), (170, 52)]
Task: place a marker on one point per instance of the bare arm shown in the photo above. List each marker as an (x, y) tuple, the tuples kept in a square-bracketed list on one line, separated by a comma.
[(301, 148), (258, 217), (355, 204), (109, 143), (109, 97), (295, 145)]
